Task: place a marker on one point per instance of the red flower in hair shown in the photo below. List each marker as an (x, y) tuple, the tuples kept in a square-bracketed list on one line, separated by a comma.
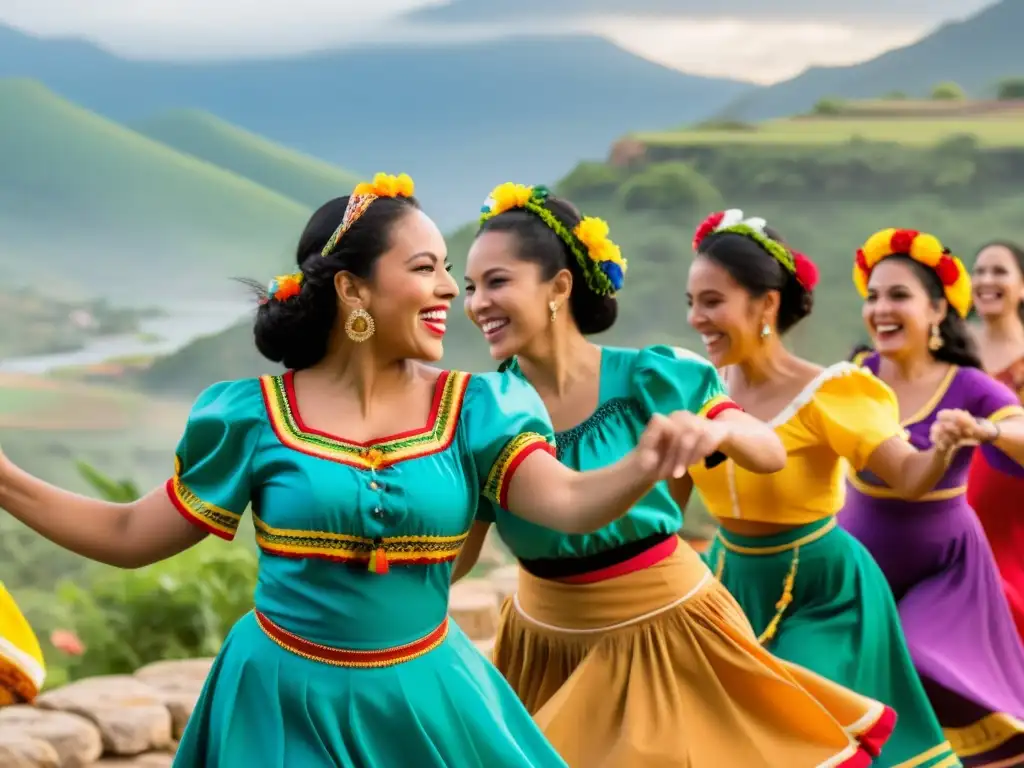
[(946, 270), (806, 271), (902, 239), (706, 228), (862, 261)]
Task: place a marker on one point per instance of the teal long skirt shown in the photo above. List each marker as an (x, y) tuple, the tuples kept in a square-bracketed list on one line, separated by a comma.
[(842, 623), (265, 707)]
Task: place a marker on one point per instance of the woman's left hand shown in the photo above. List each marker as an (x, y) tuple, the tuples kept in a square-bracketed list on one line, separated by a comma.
[(696, 437), (954, 428)]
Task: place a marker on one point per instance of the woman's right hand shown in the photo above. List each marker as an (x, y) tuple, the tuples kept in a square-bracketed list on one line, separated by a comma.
[(671, 444)]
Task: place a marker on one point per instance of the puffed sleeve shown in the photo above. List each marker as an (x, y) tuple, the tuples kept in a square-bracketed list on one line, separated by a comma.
[(506, 421), (211, 485), (988, 398), (854, 412), (667, 379)]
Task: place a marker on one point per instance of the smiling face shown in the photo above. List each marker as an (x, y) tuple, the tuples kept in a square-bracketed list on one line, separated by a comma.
[(899, 312), (997, 282), (727, 317), (411, 290), (506, 296)]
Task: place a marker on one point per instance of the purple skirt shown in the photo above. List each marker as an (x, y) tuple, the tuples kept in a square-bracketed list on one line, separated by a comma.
[(955, 617)]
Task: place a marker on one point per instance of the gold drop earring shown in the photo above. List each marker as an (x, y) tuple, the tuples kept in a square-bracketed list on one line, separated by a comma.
[(766, 331), (935, 342), (554, 310)]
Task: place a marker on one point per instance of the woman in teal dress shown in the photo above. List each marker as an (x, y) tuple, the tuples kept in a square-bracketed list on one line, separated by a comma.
[(348, 658), (623, 645)]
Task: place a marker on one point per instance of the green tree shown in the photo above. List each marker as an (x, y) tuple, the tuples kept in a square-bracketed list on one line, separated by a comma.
[(895, 96), (1011, 89), (828, 106), (590, 181), (948, 92), (674, 187)]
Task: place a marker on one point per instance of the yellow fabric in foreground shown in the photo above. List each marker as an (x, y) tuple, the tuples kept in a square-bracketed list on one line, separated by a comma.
[(689, 686), (21, 660)]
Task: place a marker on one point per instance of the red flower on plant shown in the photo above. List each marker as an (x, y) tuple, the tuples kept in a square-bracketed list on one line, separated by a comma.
[(902, 239), (66, 641), (806, 271), (706, 228)]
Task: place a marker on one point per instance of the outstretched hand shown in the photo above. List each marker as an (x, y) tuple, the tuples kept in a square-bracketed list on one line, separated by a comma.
[(954, 428), (671, 444)]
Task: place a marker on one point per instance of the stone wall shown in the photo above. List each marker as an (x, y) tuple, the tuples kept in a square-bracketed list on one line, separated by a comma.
[(134, 721)]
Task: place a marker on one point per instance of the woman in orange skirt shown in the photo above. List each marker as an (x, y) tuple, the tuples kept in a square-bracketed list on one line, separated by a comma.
[(623, 645)]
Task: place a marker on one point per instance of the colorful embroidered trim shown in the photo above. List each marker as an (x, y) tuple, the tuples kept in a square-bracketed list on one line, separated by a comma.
[(718, 405), (504, 467), (874, 729), (984, 735), (924, 249), (16, 680), (342, 547), (383, 185), (436, 436), (794, 262), (216, 520), (341, 657), (598, 257)]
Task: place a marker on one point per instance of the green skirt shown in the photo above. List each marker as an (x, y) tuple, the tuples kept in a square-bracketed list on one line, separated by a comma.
[(816, 598)]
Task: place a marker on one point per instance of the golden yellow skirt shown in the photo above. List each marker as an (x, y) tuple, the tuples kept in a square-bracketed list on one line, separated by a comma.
[(661, 668)]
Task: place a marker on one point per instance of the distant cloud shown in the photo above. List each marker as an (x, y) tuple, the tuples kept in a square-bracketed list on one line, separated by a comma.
[(705, 42)]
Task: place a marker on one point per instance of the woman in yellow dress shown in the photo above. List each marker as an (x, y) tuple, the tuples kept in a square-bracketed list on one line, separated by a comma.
[(22, 670), (813, 594)]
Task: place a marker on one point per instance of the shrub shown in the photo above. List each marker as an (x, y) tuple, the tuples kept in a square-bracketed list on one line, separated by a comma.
[(674, 187)]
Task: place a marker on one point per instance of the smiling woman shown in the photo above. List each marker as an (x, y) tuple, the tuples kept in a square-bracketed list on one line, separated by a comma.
[(812, 593)]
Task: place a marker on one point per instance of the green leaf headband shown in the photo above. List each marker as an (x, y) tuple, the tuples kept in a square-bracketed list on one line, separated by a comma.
[(598, 257)]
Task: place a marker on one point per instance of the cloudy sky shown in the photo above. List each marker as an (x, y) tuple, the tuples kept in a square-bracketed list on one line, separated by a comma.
[(728, 40)]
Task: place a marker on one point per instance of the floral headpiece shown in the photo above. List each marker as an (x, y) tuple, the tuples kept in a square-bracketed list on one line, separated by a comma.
[(794, 262), (924, 249), (600, 259), (283, 287)]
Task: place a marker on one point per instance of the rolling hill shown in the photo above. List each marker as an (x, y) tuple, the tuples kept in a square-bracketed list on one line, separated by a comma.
[(121, 214), (975, 53), (304, 179), (458, 117)]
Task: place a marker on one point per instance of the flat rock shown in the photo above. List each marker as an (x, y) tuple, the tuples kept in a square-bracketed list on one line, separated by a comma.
[(132, 717), (179, 684), (149, 760), (473, 604), (20, 751), (75, 741)]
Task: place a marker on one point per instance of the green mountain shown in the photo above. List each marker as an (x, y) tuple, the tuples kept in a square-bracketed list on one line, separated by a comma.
[(975, 53), (122, 215), (304, 179)]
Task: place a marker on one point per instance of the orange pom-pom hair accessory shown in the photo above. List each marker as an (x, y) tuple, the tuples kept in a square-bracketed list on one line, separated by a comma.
[(383, 185), (924, 249), (283, 287)]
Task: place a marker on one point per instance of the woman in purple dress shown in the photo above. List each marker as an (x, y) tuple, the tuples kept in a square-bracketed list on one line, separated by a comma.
[(933, 551)]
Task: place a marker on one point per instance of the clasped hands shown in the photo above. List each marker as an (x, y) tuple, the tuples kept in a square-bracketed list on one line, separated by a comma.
[(954, 429), (670, 444)]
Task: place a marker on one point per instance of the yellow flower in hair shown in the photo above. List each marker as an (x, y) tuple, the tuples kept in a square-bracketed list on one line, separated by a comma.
[(386, 185), (593, 233), (506, 197), (877, 247), (926, 249)]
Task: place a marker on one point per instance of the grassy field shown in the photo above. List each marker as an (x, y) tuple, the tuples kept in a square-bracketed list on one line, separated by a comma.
[(122, 214), (1001, 132), (914, 123), (300, 177)]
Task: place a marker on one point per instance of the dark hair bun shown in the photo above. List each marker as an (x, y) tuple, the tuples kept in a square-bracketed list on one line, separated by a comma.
[(296, 331)]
